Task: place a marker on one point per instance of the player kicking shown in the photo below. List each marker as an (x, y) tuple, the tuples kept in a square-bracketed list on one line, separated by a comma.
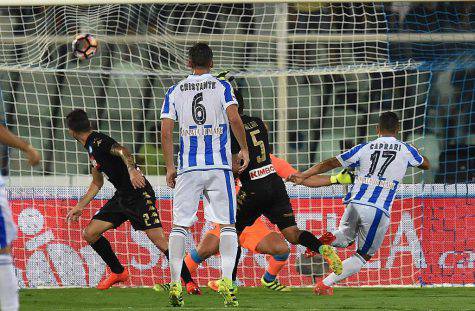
[(258, 238), (134, 199), (380, 166), (8, 281), (205, 108), (263, 193)]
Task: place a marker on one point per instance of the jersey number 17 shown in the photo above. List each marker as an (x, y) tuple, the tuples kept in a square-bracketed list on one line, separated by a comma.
[(388, 155)]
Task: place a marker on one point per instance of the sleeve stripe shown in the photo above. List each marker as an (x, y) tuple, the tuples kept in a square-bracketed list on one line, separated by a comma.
[(414, 153), (227, 90), (346, 155), (166, 104)]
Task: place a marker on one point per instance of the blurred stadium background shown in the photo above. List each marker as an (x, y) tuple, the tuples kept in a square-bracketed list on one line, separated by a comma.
[(319, 73)]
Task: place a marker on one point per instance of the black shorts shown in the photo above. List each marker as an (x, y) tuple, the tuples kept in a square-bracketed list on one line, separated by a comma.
[(266, 197), (140, 210)]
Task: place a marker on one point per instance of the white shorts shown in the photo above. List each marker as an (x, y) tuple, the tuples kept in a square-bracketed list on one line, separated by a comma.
[(8, 229), (219, 197), (369, 223)]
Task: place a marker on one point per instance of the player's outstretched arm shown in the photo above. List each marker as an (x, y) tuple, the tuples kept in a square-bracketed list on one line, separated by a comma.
[(11, 140), (96, 184), (345, 177), (167, 148), (317, 181), (136, 177), (238, 130), (284, 170), (319, 168)]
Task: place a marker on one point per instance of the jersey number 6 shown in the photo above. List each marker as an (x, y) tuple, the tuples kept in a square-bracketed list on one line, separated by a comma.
[(198, 109)]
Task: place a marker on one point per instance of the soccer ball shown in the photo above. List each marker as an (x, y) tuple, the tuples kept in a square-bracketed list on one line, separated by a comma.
[(84, 46)]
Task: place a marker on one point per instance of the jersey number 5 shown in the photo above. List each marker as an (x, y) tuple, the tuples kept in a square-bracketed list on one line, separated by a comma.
[(198, 110), (389, 155), (259, 143)]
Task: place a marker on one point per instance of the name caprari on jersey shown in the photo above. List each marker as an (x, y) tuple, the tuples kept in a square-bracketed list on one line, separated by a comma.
[(379, 166)]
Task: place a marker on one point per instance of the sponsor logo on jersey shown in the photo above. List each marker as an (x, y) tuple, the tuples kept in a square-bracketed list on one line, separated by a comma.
[(201, 131), (376, 182), (261, 172), (94, 162)]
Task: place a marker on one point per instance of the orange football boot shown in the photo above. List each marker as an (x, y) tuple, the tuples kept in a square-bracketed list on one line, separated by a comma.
[(323, 290), (192, 288), (112, 279)]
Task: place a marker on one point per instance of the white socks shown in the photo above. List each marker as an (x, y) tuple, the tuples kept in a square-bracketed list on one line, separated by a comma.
[(351, 266), (228, 245), (176, 252), (8, 284)]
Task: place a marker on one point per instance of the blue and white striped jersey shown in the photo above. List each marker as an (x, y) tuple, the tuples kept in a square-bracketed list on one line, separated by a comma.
[(380, 166), (199, 105)]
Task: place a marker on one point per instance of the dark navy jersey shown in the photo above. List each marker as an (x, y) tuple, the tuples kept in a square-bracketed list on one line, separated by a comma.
[(260, 164), (98, 147)]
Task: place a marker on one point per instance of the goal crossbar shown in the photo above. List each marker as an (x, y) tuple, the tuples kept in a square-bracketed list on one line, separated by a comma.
[(100, 2), (391, 37)]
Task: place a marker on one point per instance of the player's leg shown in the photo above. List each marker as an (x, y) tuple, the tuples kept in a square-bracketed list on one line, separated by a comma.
[(143, 215), (273, 245), (305, 238), (158, 238), (186, 197), (281, 214), (258, 238), (109, 216), (8, 282), (220, 208), (93, 235), (344, 235), (373, 225), (249, 238), (248, 211), (208, 246), (347, 229)]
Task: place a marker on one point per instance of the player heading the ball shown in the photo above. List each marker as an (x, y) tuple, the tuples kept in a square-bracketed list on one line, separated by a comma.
[(134, 199), (380, 166), (206, 111)]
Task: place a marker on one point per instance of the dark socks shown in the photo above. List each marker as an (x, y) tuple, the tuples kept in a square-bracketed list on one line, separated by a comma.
[(185, 273), (310, 241), (238, 256), (104, 249)]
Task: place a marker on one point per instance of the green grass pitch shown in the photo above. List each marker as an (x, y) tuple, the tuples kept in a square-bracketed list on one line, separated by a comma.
[(253, 299)]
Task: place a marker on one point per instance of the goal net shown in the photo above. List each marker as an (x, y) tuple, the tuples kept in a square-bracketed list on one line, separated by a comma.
[(318, 74)]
